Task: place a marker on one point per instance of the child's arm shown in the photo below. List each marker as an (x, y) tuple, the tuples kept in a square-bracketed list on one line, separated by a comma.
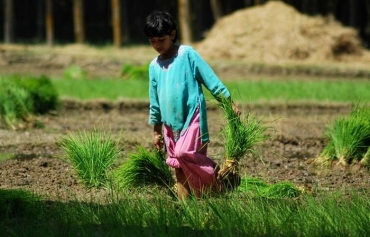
[(206, 76), (154, 111), (204, 73)]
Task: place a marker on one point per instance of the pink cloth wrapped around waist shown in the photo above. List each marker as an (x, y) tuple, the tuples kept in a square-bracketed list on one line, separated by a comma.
[(190, 154)]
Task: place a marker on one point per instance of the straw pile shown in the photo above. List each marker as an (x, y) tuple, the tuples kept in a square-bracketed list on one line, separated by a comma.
[(276, 32)]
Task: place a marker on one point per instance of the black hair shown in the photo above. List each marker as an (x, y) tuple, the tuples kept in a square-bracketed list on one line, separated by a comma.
[(160, 23)]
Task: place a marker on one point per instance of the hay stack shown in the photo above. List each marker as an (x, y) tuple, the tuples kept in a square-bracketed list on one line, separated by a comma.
[(276, 32)]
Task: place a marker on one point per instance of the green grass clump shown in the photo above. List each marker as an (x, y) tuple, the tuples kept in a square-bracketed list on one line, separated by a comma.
[(102, 88), (144, 167), (92, 155), (349, 138)]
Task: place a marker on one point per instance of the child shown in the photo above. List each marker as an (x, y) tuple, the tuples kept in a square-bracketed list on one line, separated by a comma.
[(178, 106)]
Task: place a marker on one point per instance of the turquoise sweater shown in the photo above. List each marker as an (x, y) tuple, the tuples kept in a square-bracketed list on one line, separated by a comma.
[(175, 90)]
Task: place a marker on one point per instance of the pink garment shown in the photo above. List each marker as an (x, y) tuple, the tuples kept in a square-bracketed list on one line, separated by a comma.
[(190, 154)]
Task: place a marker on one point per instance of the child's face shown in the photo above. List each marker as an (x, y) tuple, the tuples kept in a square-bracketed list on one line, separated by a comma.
[(162, 44)]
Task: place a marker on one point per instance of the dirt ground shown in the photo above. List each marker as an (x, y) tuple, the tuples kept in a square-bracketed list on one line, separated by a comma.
[(38, 164)]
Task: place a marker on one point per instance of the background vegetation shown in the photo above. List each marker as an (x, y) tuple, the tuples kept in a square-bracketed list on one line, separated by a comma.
[(251, 91), (93, 21)]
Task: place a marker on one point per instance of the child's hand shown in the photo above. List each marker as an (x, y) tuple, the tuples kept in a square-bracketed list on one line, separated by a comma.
[(158, 141)]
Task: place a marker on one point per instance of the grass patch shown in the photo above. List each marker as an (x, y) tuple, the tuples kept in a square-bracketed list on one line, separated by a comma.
[(259, 90), (135, 214), (110, 89), (301, 90)]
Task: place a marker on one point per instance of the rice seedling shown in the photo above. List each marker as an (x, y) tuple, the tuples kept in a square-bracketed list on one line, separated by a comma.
[(241, 134), (92, 155), (144, 167), (349, 137)]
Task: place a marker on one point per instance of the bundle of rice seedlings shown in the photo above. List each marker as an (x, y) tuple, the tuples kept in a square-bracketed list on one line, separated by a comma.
[(144, 168), (251, 184), (92, 155), (15, 105), (43, 95), (349, 138), (281, 190), (260, 188), (240, 135)]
